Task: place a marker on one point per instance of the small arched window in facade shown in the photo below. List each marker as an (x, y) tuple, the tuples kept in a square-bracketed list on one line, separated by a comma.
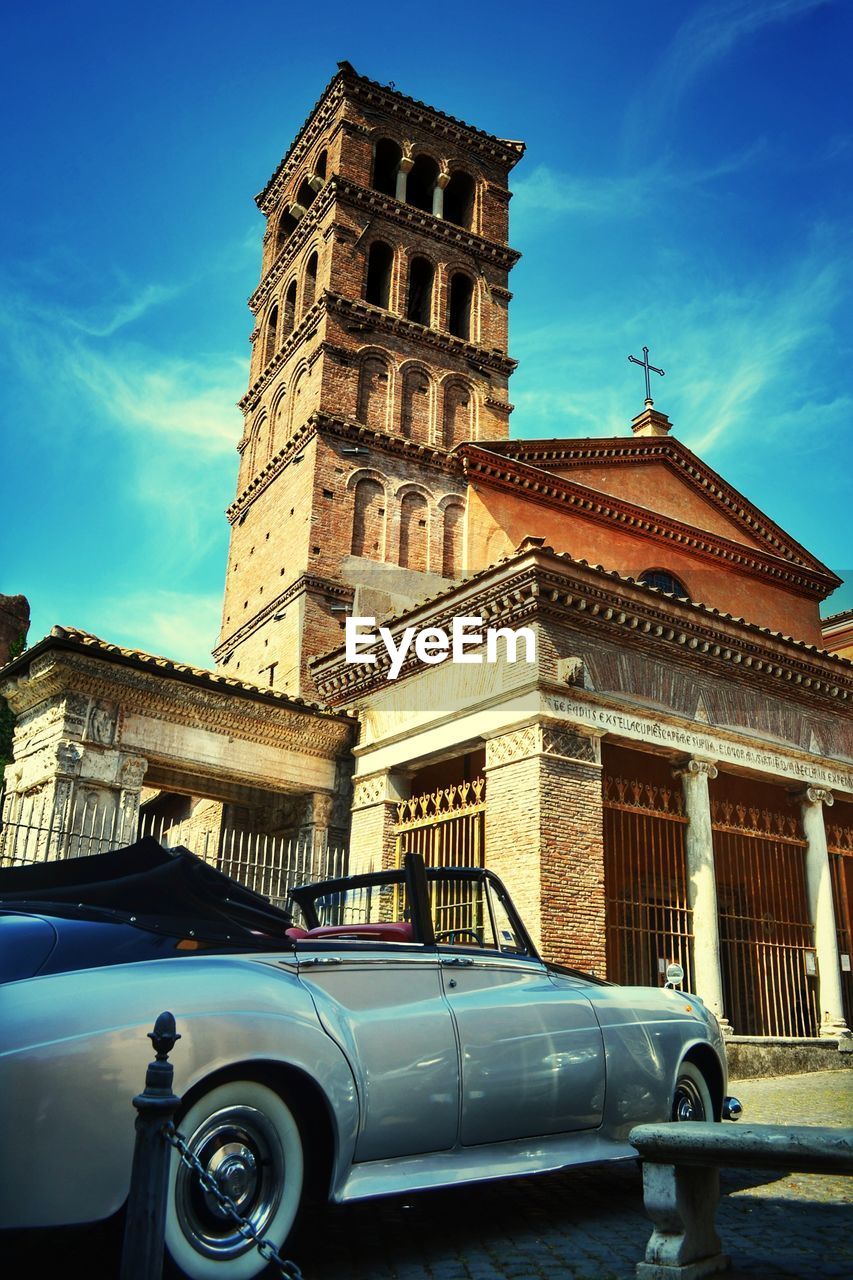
[(451, 553), (321, 164), (386, 163), (377, 288), (420, 184), (419, 303), (309, 287), (458, 417), (414, 532), (459, 305), (271, 335), (415, 409), (368, 521), (297, 398), (288, 315), (373, 387), (459, 199), (664, 581)]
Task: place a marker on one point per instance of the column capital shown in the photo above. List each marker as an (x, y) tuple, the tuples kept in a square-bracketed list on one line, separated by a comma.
[(695, 766), (817, 795)]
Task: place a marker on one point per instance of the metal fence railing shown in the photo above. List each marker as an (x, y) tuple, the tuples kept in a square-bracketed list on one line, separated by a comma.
[(269, 864)]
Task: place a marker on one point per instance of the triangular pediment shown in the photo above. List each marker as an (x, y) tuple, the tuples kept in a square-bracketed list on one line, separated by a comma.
[(660, 476)]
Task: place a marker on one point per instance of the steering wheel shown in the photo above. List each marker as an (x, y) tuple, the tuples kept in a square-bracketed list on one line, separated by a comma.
[(452, 936)]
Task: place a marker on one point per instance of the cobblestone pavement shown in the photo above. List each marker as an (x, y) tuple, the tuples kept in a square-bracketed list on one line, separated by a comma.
[(589, 1224), (586, 1224)]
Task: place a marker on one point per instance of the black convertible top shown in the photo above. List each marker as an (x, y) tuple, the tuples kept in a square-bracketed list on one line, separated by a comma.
[(166, 890)]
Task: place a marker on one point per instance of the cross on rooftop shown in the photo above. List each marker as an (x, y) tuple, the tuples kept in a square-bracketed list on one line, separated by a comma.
[(644, 364)]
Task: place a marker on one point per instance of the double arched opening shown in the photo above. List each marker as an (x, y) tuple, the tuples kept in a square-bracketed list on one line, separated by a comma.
[(422, 182), (408, 540)]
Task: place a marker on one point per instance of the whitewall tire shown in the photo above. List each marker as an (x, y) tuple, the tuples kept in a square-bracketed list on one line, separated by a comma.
[(245, 1135)]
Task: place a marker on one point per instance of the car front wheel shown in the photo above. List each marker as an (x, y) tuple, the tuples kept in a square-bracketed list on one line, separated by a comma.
[(247, 1141), (692, 1097)]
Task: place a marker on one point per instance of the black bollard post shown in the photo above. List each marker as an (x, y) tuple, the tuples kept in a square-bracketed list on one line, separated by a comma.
[(142, 1251)]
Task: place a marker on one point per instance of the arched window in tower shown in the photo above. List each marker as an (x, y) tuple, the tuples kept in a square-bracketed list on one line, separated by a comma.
[(459, 306), (414, 532), (451, 552), (306, 193), (297, 414), (459, 199), (415, 410), (380, 260), (321, 165), (421, 183), (419, 303), (373, 387), (286, 226), (664, 581), (309, 284), (386, 162), (458, 417), (271, 335), (368, 521), (288, 315)]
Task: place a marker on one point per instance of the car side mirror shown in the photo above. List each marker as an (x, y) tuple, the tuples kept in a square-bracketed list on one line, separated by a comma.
[(674, 976)]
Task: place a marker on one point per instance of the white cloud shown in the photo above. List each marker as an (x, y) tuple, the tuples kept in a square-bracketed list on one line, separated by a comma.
[(184, 626), (546, 191), (709, 33)]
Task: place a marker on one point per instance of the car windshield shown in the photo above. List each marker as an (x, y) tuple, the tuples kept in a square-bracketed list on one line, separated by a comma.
[(465, 908)]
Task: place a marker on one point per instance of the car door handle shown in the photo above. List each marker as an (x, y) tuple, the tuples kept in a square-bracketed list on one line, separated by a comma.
[(461, 962), (321, 960)]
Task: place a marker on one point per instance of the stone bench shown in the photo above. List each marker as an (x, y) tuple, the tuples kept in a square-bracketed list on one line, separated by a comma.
[(681, 1182)]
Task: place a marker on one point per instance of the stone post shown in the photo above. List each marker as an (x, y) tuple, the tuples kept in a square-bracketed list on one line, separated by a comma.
[(544, 836), (702, 885), (374, 817), (822, 911)]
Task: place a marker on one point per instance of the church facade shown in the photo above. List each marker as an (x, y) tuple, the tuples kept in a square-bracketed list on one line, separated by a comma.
[(665, 773)]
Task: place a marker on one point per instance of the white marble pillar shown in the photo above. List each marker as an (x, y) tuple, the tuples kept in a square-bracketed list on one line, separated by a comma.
[(405, 168), (822, 911), (702, 885), (438, 193)]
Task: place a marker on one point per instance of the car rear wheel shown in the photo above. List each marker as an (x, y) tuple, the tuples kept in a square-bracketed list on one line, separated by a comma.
[(692, 1097), (246, 1139)]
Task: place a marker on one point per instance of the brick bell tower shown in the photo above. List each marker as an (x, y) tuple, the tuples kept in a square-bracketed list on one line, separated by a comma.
[(380, 345)]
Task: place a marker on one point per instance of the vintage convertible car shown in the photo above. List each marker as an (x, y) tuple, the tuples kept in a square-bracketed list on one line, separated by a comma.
[(387, 1033)]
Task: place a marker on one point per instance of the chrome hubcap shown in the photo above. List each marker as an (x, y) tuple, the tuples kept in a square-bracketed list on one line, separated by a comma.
[(688, 1104), (239, 1149)]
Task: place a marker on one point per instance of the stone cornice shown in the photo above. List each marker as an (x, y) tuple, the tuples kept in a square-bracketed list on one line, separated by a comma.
[(447, 233), (546, 584), (682, 461), (348, 84), (74, 660), (305, 584), (349, 430), (372, 202), (360, 312), (556, 491)]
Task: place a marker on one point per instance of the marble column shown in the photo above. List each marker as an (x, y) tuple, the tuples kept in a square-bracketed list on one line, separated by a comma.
[(438, 193), (822, 912), (702, 885), (404, 169)]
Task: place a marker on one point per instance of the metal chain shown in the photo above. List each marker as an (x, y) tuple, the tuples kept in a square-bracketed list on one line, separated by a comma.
[(267, 1250)]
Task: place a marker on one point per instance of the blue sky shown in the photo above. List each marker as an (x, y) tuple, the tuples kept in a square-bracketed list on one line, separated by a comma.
[(686, 185)]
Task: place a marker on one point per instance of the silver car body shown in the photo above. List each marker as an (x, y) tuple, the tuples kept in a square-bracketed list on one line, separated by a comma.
[(436, 1065)]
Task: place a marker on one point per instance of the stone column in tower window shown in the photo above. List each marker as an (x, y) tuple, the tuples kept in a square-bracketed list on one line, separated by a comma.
[(407, 160)]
